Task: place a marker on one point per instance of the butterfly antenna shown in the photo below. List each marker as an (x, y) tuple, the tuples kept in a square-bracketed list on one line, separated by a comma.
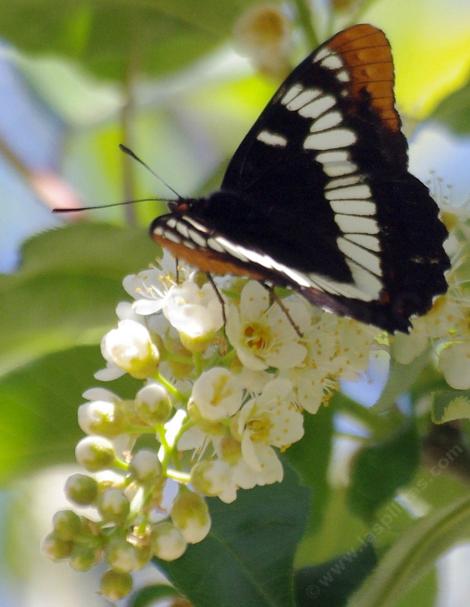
[(113, 204), (130, 153)]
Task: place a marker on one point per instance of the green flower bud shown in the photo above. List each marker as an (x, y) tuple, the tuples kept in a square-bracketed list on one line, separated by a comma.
[(95, 453), (125, 557), (167, 541), (113, 505), (145, 465), (84, 558), (106, 418), (81, 489), (56, 548), (191, 515), (153, 405), (115, 585), (67, 524)]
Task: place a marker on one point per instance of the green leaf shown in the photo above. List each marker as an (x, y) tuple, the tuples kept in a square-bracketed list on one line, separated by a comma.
[(248, 554), (311, 457), (340, 532), (38, 409), (449, 405), (146, 597), (67, 289), (414, 554), (424, 592), (400, 380), (331, 583), (107, 37), (379, 470), (454, 111)]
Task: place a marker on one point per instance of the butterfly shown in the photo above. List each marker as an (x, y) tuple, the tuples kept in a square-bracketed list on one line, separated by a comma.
[(318, 196)]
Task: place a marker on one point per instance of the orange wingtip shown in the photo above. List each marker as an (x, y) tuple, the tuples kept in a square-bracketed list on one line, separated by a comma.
[(367, 57)]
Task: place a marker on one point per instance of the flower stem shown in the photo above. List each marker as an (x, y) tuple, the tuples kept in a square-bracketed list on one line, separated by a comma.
[(197, 362), (173, 390), (305, 21), (177, 475), (375, 423)]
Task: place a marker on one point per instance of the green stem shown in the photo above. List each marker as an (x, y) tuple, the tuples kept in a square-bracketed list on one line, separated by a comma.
[(305, 21), (120, 465), (177, 475), (178, 358), (197, 362), (173, 390), (228, 358), (377, 424)]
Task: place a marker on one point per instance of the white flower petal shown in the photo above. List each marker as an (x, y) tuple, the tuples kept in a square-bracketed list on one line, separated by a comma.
[(109, 373), (249, 452), (254, 300)]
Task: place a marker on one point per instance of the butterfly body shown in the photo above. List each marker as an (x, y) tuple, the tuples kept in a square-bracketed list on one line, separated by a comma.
[(318, 196)]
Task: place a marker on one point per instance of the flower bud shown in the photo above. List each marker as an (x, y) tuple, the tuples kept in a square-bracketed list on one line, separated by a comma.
[(125, 557), (405, 348), (56, 548), (211, 477), (101, 417), (115, 585), (130, 348), (66, 524), (81, 489), (145, 465), (454, 363), (95, 453), (84, 558), (113, 505), (167, 542), (153, 405), (217, 394), (191, 515), (198, 344)]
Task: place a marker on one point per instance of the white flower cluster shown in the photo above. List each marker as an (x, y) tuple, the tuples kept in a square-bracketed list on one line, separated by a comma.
[(221, 400)]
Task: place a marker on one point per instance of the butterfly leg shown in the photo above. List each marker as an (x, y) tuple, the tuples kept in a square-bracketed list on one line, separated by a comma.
[(276, 299), (177, 270), (219, 296)]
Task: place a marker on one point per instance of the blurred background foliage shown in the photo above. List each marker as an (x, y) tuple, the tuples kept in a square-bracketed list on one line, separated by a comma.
[(166, 78)]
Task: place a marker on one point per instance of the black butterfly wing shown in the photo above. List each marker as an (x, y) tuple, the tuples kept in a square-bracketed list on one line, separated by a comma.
[(318, 195), (329, 148)]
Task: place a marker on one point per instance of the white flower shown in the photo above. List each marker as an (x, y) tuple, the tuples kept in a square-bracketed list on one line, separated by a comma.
[(269, 469), (354, 341), (270, 419), (263, 33), (128, 349), (310, 386), (454, 363), (217, 394), (262, 334), (214, 478), (194, 311), (150, 288)]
